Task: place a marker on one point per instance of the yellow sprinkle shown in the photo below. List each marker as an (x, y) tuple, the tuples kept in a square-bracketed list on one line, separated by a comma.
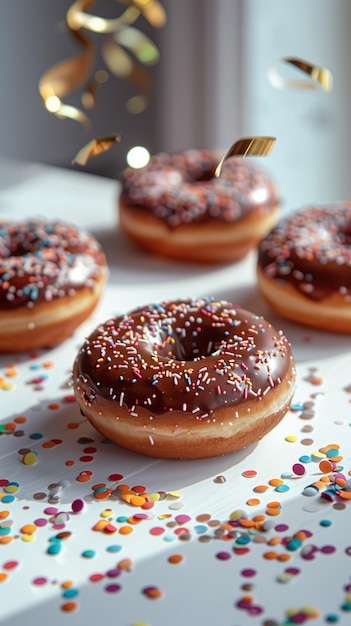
[(291, 438)]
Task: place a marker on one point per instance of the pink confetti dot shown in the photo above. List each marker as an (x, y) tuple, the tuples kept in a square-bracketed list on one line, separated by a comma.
[(298, 469), (39, 581)]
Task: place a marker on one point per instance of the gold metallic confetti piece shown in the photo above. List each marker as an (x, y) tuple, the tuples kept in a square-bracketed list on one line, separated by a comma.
[(64, 77), (121, 64), (93, 148), (318, 74), (247, 146), (77, 17)]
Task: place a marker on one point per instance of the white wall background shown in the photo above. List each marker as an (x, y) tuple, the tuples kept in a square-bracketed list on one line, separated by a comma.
[(212, 87)]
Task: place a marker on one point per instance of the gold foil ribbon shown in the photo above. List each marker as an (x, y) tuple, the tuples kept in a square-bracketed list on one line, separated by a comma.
[(93, 148), (320, 75), (127, 54), (247, 146)]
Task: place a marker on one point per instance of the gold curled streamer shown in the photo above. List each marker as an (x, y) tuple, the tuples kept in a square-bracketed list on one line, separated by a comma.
[(320, 75), (77, 17), (121, 64), (247, 146), (66, 76), (93, 148)]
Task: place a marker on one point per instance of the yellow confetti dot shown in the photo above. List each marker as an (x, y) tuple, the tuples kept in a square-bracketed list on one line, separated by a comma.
[(154, 497), (291, 438), (27, 537), (30, 458)]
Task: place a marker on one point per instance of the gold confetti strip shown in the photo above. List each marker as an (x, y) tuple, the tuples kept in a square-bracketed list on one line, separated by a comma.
[(247, 146), (124, 41), (93, 148), (320, 75), (66, 76)]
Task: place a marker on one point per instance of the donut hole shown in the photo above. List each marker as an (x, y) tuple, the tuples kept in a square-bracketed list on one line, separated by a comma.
[(196, 344)]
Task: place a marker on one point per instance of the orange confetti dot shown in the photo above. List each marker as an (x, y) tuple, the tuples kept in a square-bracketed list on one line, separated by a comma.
[(253, 502), (275, 482), (4, 514), (247, 523), (10, 426), (137, 500), (274, 505), (29, 529), (72, 425), (3, 577), (125, 564), (66, 584), (175, 558), (325, 466), (283, 557), (53, 406), (274, 541), (125, 530), (270, 555), (273, 512), (260, 488), (68, 607), (6, 539), (21, 419), (69, 463)]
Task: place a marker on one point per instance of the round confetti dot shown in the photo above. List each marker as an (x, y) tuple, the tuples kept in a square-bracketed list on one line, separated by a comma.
[(114, 548), (223, 556), (249, 473), (175, 558), (298, 469), (88, 554), (113, 588), (69, 607), (152, 592), (77, 505), (291, 438), (39, 581)]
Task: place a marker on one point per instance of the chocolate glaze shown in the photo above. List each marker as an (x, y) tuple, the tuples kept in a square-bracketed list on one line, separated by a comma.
[(42, 260), (311, 250), (181, 188), (191, 356)]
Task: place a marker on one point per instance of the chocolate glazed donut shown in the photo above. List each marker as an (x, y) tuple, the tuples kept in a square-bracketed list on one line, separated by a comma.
[(176, 207), (185, 379), (304, 267), (51, 278)]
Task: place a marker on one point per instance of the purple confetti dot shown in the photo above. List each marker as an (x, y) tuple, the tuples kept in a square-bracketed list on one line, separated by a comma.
[(248, 573), (223, 556), (255, 610), (77, 505), (113, 573), (328, 549), (113, 588), (293, 570), (281, 528)]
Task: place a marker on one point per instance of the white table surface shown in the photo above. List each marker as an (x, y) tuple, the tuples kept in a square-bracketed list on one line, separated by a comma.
[(202, 588)]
